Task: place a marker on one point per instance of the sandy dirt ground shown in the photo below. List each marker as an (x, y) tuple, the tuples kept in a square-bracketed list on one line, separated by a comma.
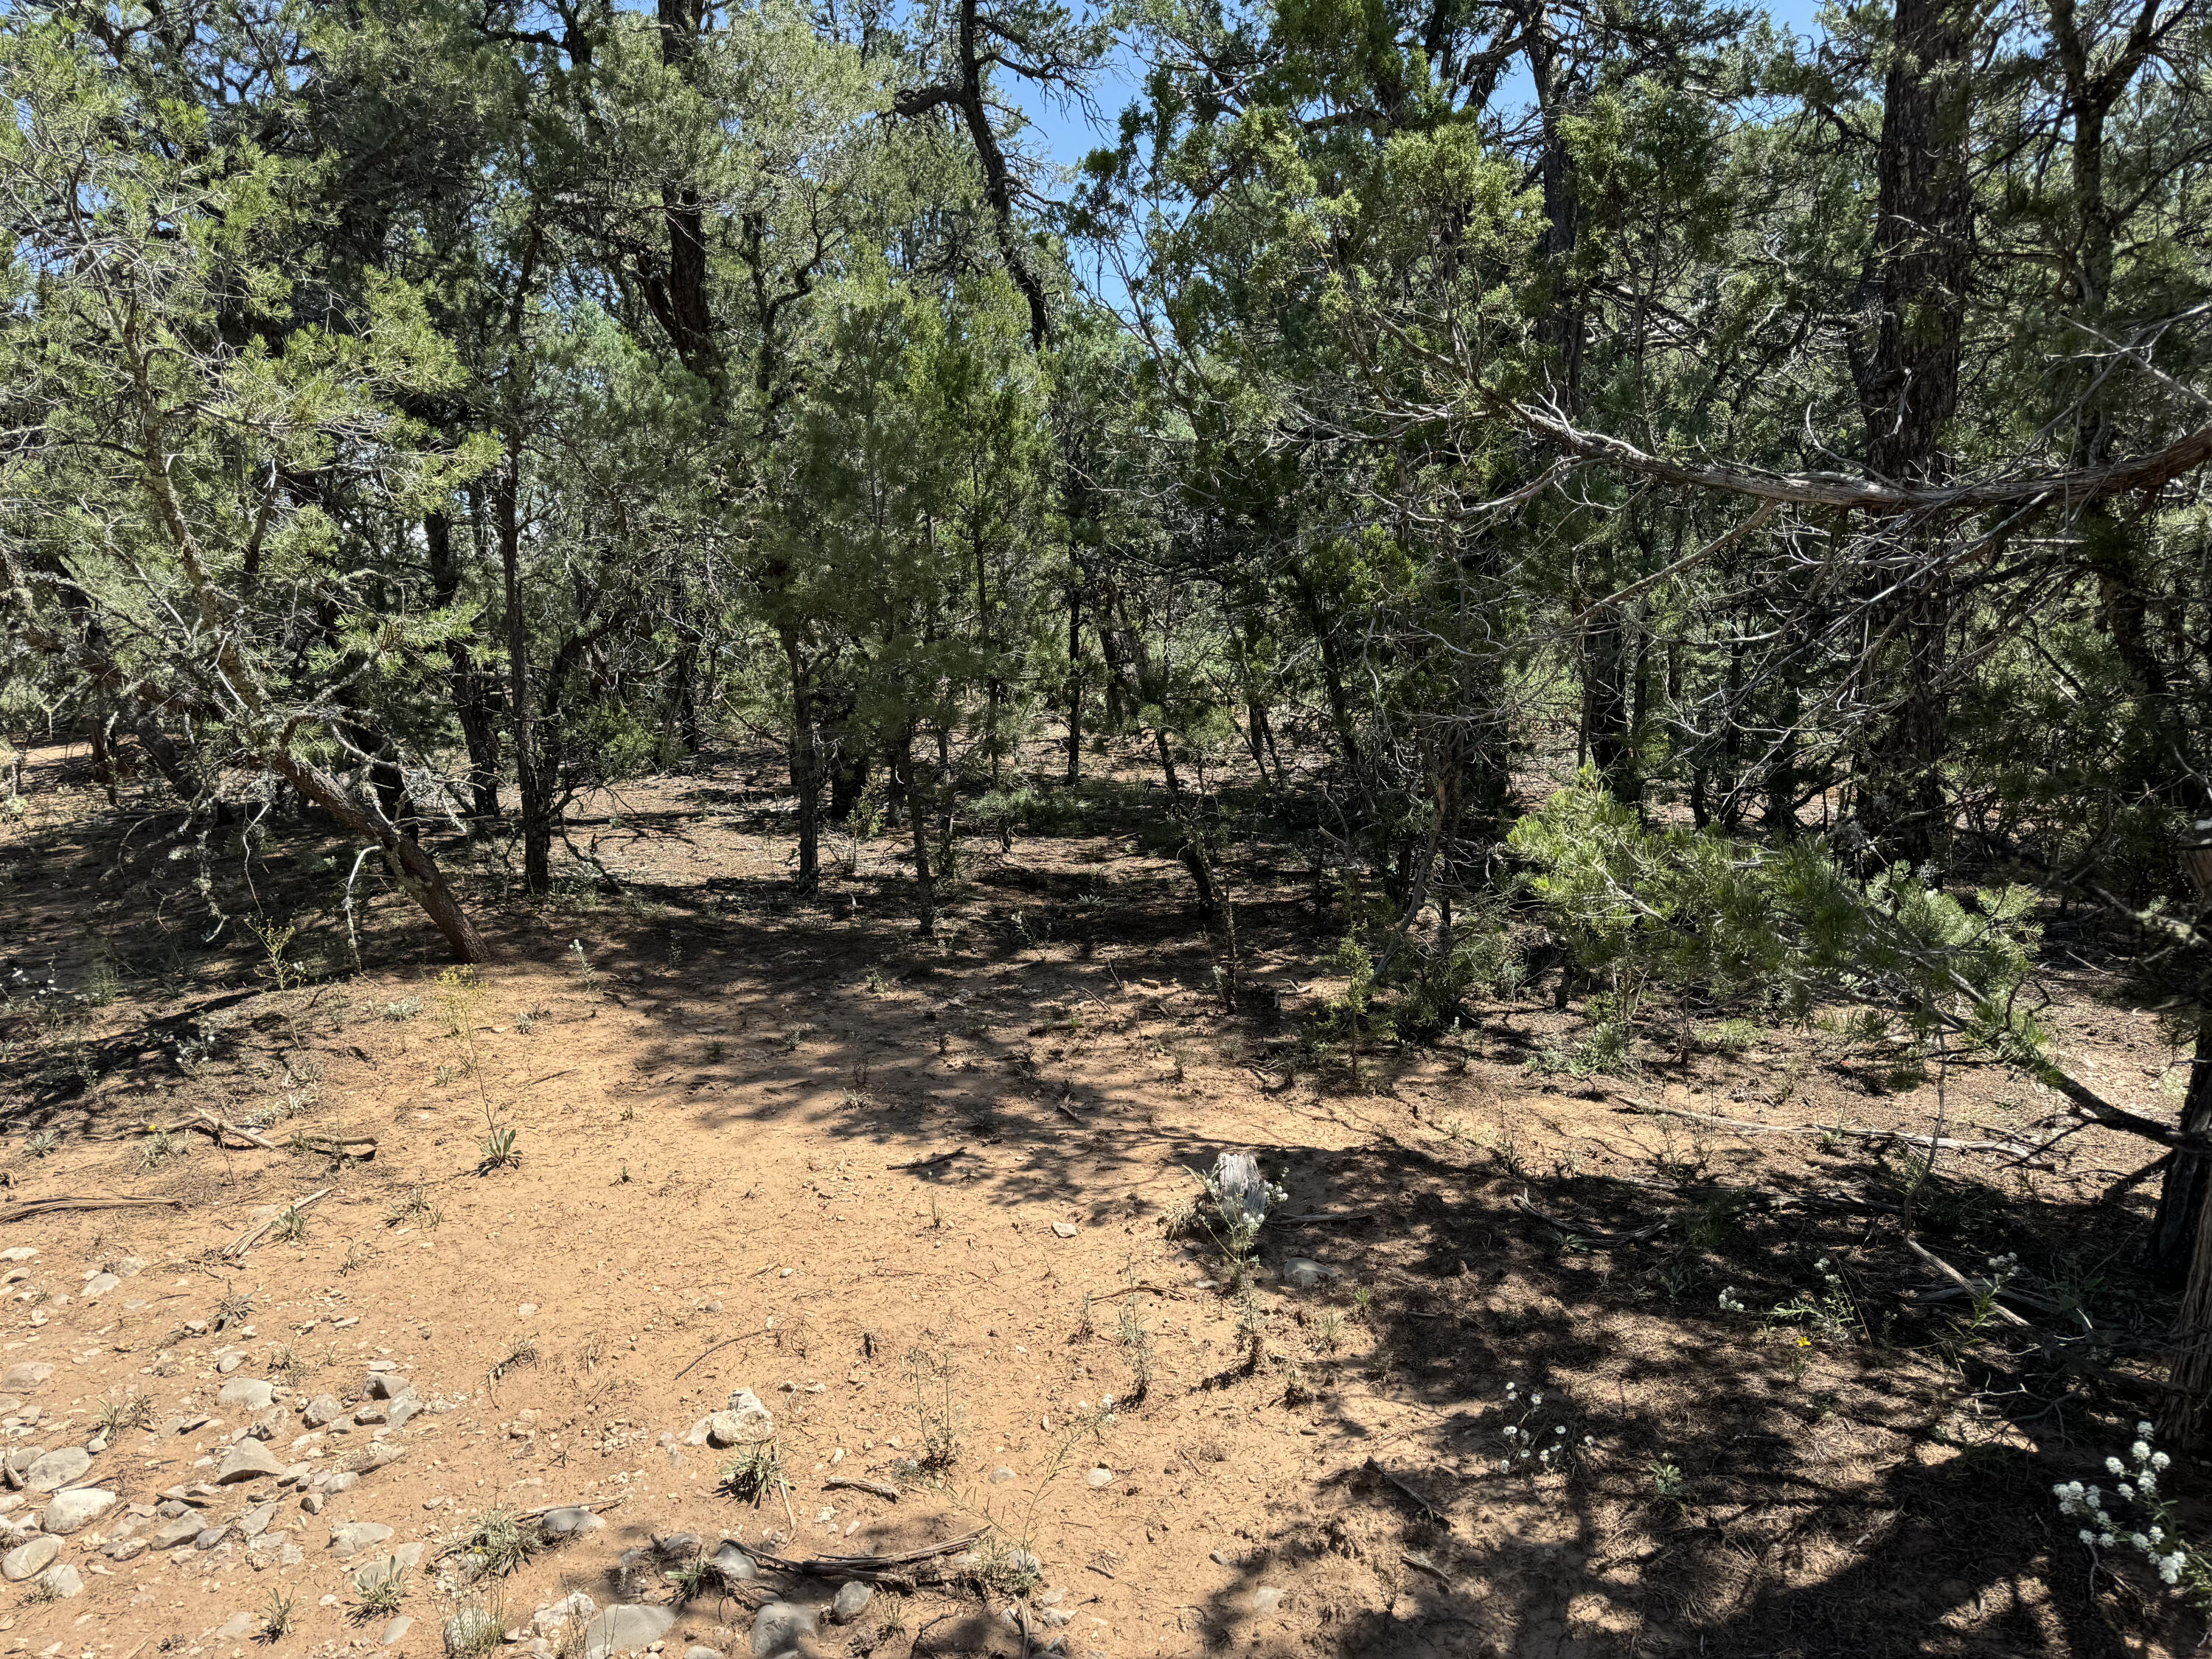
[(931, 1205)]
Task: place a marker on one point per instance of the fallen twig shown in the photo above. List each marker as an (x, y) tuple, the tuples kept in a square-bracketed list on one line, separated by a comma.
[(1420, 1503), (882, 1489), (928, 1162), (238, 1247), (859, 1566), (60, 1205), (1416, 1559), (1521, 1203), (725, 1342), (547, 1509), (1316, 1217), (1964, 1284)]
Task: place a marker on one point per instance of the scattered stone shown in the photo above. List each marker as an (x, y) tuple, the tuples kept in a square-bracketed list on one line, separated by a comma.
[(1266, 1598), (1000, 1475), (236, 1628), (778, 1627), (322, 1409), (57, 1469), (355, 1536), (677, 1546), (28, 1560), (99, 1286), (403, 1407), (341, 1482), (405, 1558), (253, 1521), (249, 1460), (385, 1385), (625, 1627), (1100, 1477), (381, 1453), (209, 1537), (313, 1503), (734, 1564), (396, 1630), (126, 1549), (25, 1377), (247, 1393), (1064, 1229), (571, 1520), (18, 1253), (76, 1508), (1301, 1273), (182, 1530), (62, 1582), (699, 1651), (229, 1363), (369, 1414), (555, 1616), (852, 1601), (746, 1422)]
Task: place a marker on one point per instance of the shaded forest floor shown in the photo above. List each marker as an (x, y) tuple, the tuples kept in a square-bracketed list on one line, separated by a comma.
[(723, 1099)]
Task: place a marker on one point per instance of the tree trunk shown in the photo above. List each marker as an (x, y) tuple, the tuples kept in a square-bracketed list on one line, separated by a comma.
[(806, 764), (2173, 1244), (1074, 683), (925, 883), (472, 689), (532, 783)]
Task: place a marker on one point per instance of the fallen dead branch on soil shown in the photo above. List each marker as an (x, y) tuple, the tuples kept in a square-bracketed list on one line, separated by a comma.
[(63, 1204), (238, 1247), (1422, 1505), (727, 1342), (1315, 1218), (1932, 1260), (931, 1163), (1745, 1126), (882, 1489), (1520, 1202), (238, 1135), (871, 1567)]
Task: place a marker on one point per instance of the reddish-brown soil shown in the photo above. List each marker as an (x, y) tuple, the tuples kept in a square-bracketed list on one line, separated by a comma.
[(723, 1099)]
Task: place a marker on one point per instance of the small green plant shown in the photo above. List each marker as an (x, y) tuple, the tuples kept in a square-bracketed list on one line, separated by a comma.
[(1328, 1332), (43, 1143), (1251, 1326), (286, 1369), (356, 1258), (753, 1472), (936, 1408), (160, 1145), (1086, 1322), (277, 1617), (498, 1151), (1362, 1302), (496, 1543), (1543, 1439), (104, 985), (446, 1076), (1137, 1348), (477, 1627), (291, 1225), (1666, 1482), (1830, 1311), (234, 1308), (401, 1011), (697, 1578), (1710, 1225), (415, 1210), (1729, 1036), (461, 992), (43, 1591), (587, 976), (133, 1410), (1239, 1196), (379, 1597)]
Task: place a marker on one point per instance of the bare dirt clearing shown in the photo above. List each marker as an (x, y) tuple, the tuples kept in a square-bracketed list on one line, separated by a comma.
[(918, 1200)]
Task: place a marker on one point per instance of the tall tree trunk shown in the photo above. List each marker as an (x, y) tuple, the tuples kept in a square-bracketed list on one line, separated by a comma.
[(1074, 683), (472, 689), (533, 781), (925, 882), (805, 761), (1904, 364)]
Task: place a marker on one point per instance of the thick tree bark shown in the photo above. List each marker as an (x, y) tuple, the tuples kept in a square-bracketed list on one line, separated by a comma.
[(472, 689), (533, 779), (806, 763)]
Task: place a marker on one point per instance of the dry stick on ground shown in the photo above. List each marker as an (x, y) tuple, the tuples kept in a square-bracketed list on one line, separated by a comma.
[(1745, 1126), (861, 1566), (238, 1247), (1319, 1216), (60, 1205), (1433, 1511), (881, 1488), (1521, 1203), (1962, 1281), (725, 1343), (926, 1162)]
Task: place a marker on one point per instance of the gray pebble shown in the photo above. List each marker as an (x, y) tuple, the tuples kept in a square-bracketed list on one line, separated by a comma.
[(852, 1601), (778, 1626)]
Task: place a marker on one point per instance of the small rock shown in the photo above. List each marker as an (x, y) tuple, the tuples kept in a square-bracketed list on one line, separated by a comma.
[(99, 1286), (76, 1508), (568, 1521), (237, 1627), (1064, 1229), (208, 1537), (403, 1407), (405, 1558), (625, 1627), (396, 1630), (344, 1482), (229, 1363), (313, 1503), (744, 1423), (1266, 1598), (677, 1546), (170, 1534), (28, 1560), (1100, 1477), (554, 1616), (1000, 1475), (253, 1521), (1301, 1274), (323, 1408), (18, 1253), (57, 1469), (699, 1651), (24, 1377), (778, 1626), (369, 1414), (126, 1549), (246, 1393), (355, 1536), (62, 1582), (249, 1460), (734, 1564), (385, 1385), (852, 1601)]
